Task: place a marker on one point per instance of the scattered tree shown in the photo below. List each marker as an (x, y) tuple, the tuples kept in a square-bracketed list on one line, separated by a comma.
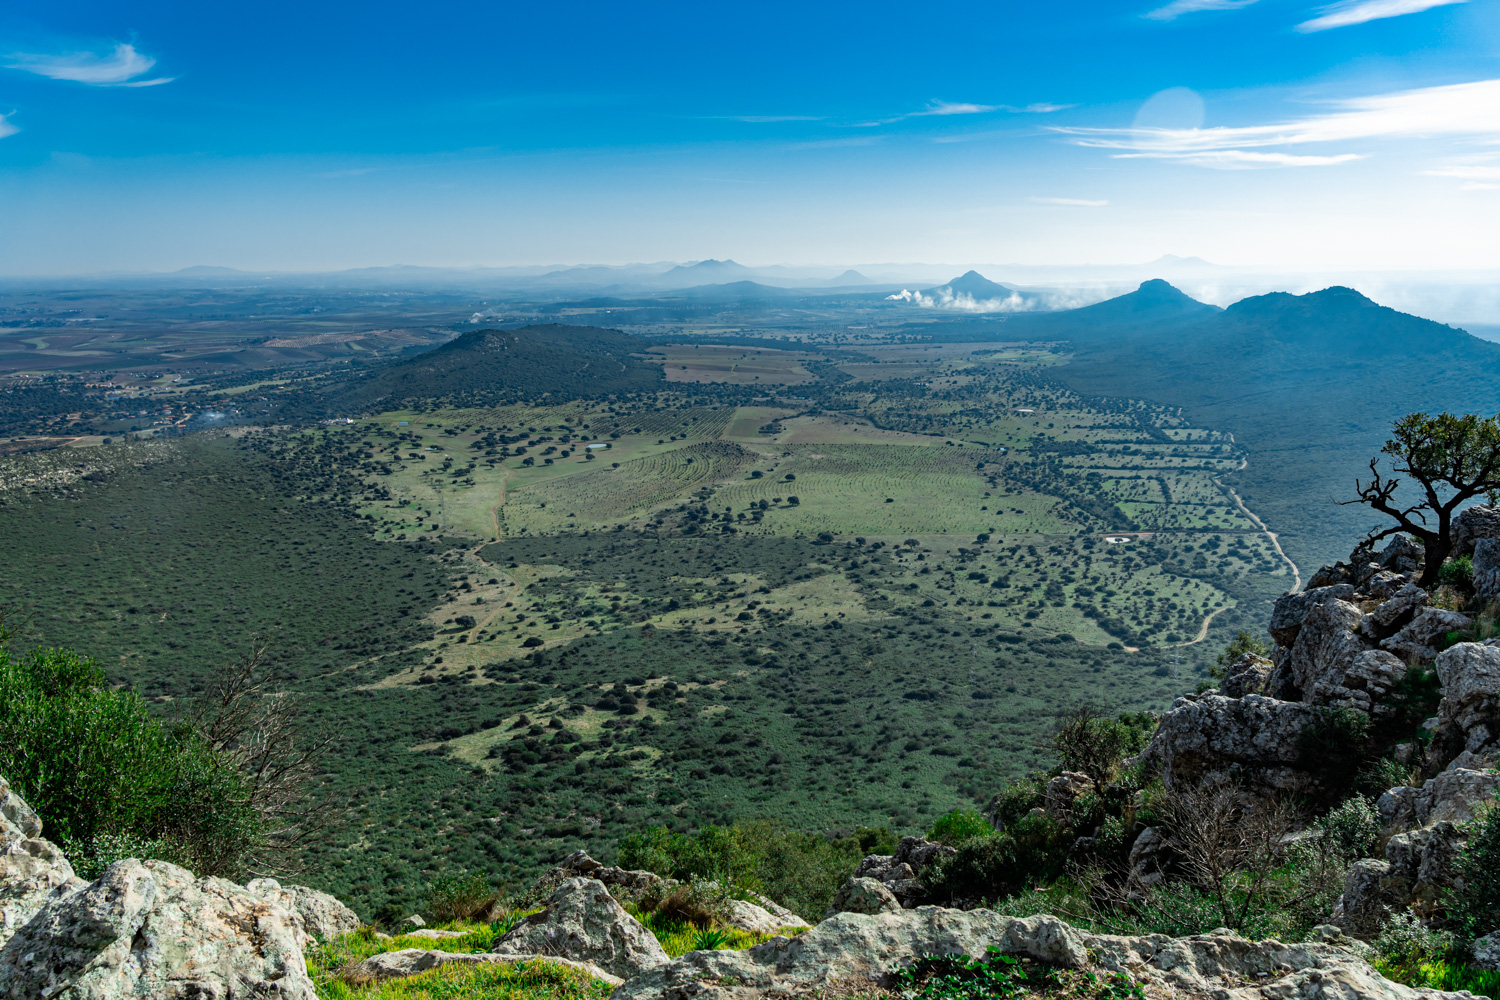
[(1453, 459)]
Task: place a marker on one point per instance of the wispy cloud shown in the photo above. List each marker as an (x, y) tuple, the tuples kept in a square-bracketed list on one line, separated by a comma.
[(953, 108), (949, 108), (120, 67), (6, 127), (1470, 110), (1177, 8), (1347, 12), (1080, 202)]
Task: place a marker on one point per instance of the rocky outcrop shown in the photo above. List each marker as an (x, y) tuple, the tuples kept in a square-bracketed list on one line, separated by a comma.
[(1333, 662), (1062, 792), (320, 916), (858, 947), (1452, 796), (779, 913), (863, 895), (583, 922), (1291, 610), (580, 865), (1471, 525), (849, 952), (1255, 741), (1250, 674), (1395, 613), (1486, 952), (411, 961), (32, 870), (899, 872), (151, 929), (751, 918), (1420, 639), (1469, 714)]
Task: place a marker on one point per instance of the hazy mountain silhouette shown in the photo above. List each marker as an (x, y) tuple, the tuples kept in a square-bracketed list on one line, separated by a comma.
[(973, 284)]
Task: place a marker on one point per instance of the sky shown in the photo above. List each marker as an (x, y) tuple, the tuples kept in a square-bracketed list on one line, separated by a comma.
[(154, 135)]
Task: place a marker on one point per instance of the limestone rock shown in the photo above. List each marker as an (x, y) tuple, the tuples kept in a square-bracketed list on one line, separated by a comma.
[(784, 917), (1384, 585), (863, 895), (856, 946), (1419, 639), (1470, 675), (1471, 525), (151, 929), (32, 869), (1254, 739), (1062, 791), (850, 949), (415, 920), (1423, 861), (1451, 797), (1487, 567), (1247, 675), (1402, 555), (433, 933), (1332, 663), (580, 865), (1487, 951), (1396, 613), (1291, 610), (900, 872), (583, 922), (751, 918), (322, 917), (1147, 859), (410, 961), (1368, 900)]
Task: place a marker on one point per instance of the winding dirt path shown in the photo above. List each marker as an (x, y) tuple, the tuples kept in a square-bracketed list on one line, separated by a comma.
[(1275, 542), (1202, 629)]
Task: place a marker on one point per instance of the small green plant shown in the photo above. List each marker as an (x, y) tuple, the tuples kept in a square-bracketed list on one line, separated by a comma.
[(958, 826), (1458, 572), (709, 939), (458, 894), (1243, 642), (998, 975), (1094, 744), (1475, 907)]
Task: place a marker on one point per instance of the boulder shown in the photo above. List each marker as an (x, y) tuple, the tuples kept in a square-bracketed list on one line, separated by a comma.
[(1470, 675), (1254, 740), (1062, 791), (152, 929), (1404, 554), (1291, 610), (1419, 640), (1384, 585), (322, 917), (863, 895), (751, 918), (1422, 860), (1486, 952), (1247, 675), (1368, 900), (900, 872), (856, 947), (33, 870), (1396, 613), (784, 917), (411, 961), (849, 953), (582, 921), (580, 865), (1148, 856), (1332, 663), (1471, 525), (1487, 568), (1453, 796), (433, 933)]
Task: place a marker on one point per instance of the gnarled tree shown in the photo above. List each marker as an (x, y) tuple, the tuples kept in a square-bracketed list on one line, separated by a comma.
[(1452, 459)]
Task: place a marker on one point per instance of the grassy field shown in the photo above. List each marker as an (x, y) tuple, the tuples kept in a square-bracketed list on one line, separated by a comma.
[(860, 608)]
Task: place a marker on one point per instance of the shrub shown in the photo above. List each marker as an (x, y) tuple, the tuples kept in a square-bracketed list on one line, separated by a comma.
[(958, 826), (1474, 907), (1017, 798), (1032, 850), (997, 975), (1089, 742), (104, 775), (458, 895), (1458, 573), (1243, 642)]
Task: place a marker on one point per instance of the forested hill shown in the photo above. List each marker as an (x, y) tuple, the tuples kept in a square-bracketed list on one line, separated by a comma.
[(495, 367), (1308, 384)]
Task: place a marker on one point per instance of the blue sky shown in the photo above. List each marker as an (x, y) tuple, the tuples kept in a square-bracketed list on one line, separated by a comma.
[(156, 135)]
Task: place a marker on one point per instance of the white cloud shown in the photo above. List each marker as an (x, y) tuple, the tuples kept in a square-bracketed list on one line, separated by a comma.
[(1177, 8), (6, 128), (767, 119), (118, 68), (953, 108), (943, 298), (1081, 202), (1347, 12), (1467, 110)]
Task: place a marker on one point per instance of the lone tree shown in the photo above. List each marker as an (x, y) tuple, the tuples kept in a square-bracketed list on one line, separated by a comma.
[(1453, 460)]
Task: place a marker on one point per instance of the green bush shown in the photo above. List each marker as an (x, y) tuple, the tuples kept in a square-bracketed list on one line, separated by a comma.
[(1475, 906), (458, 895), (997, 975), (1031, 851), (1243, 642), (1094, 744), (800, 871), (105, 775), (958, 826), (1411, 953), (1458, 572), (1017, 798)]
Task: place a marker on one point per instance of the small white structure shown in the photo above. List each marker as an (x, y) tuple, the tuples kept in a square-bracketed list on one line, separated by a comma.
[(1118, 539)]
